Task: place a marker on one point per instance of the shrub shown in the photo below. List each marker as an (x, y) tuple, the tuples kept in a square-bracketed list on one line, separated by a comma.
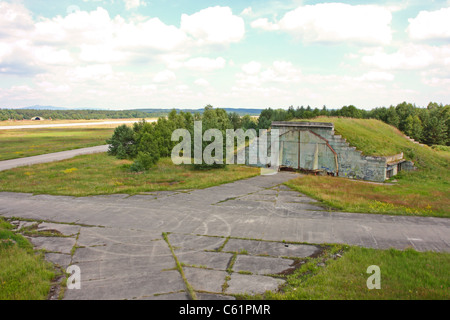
[(441, 148), (144, 161)]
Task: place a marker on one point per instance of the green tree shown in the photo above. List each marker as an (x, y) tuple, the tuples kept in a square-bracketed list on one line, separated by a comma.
[(213, 119), (235, 120), (436, 127), (413, 127), (122, 143), (248, 122), (350, 112), (392, 117)]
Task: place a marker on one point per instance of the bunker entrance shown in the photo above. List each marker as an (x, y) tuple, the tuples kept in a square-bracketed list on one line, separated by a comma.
[(306, 151)]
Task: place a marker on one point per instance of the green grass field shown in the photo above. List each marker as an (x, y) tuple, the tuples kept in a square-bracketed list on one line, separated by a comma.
[(31, 142), (405, 275), (425, 192), (23, 274), (98, 174)]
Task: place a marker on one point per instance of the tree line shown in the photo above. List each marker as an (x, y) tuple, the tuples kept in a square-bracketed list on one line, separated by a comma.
[(430, 125)]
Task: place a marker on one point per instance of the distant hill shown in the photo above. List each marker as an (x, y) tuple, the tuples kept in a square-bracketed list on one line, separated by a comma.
[(254, 112), (37, 107)]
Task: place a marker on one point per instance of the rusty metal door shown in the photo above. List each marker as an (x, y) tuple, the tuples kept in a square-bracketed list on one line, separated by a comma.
[(290, 149), (303, 149)]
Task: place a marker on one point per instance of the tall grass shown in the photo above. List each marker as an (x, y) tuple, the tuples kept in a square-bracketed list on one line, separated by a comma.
[(404, 274), (23, 274)]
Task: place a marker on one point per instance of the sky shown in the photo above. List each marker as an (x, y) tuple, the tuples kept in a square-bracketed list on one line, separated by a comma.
[(129, 54)]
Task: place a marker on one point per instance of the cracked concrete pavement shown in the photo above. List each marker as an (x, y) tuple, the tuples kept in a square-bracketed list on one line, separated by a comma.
[(230, 239)]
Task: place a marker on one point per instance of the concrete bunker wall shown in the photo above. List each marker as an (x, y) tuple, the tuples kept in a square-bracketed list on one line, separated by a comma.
[(350, 162), (305, 149)]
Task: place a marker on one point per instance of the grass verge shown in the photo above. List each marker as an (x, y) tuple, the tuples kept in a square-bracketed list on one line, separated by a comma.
[(424, 192), (405, 275), (98, 174), (23, 275)]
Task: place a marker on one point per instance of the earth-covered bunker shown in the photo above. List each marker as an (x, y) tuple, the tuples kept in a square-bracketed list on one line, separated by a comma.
[(314, 147)]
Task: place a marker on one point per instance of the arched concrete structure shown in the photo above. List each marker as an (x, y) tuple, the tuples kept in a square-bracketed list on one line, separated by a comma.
[(313, 146)]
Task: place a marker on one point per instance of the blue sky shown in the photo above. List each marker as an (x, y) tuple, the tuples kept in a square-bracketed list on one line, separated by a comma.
[(126, 54)]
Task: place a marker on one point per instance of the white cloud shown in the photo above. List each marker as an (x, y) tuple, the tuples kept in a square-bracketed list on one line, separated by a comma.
[(5, 51), (28, 47), (278, 72), (214, 25), (430, 25), (437, 82), (51, 56), (201, 82), (335, 23), (130, 4), (101, 53), (97, 28), (174, 60), (182, 88), (205, 64), (93, 72), (438, 77), (77, 27), (247, 11), (265, 24), (15, 20), (152, 34), (149, 88), (410, 57), (54, 88), (252, 67), (20, 93), (284, 67), (164, 76), (377, 76)]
